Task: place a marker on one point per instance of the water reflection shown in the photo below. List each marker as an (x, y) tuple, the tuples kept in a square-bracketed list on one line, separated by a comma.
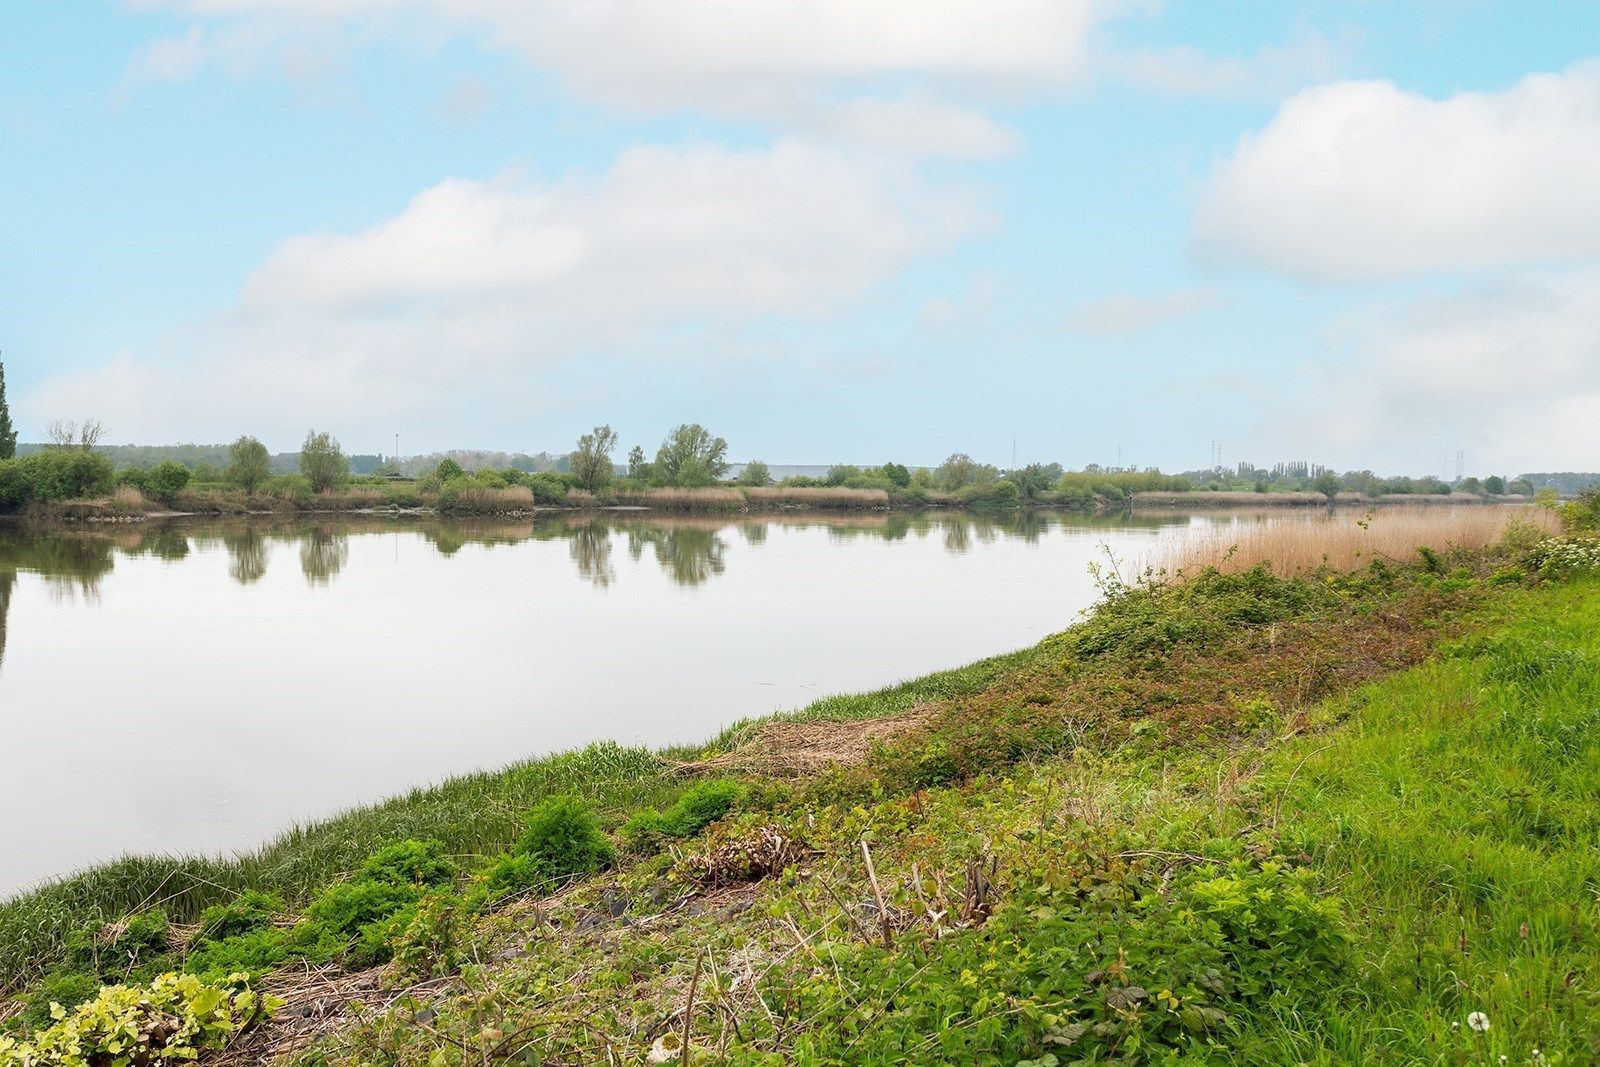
[(323, 554), (248, 552), (311, 626), (690, 551)]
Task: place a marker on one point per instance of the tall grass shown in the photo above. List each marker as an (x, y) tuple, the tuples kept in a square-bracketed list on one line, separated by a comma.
[(670, 499), (463, 497), (1346, 540), (819, 497)]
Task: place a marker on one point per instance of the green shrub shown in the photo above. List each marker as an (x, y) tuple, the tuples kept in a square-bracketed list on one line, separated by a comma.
[(67, 987), (252, 952), (172, 1019), (547, 488), (250, 911), (449, 469), (344, 908), (54, 474), (565, 836), (166, 480), (995, 495), (117, 949), (409, 863), (511, 875), (429, 946), (698, 808)]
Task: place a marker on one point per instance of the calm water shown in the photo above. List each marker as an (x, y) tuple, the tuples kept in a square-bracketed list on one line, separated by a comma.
[(202, 686)]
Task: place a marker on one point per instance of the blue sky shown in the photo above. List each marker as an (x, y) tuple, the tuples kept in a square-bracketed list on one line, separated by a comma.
[(831, 230)]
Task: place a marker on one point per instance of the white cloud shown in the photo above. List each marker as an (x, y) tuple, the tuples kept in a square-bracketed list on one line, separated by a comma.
[(880, 73), (489, 286), (1127, 314), (1362, 181), (1508, 370), (1183, 70)]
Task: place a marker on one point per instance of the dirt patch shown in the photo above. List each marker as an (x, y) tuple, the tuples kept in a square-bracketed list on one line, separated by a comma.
[(798, 749)]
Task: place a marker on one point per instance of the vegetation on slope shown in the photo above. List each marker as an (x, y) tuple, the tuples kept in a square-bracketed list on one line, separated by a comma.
[(1181, 829)]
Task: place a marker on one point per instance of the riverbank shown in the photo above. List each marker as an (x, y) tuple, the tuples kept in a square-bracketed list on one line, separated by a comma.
[(1172, 827), (519, 501)]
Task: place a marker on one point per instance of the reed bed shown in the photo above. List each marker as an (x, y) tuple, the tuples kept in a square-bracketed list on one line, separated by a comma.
[(685, 499), (485, 500), (1347, 540), (819, 497), (1228, 499)]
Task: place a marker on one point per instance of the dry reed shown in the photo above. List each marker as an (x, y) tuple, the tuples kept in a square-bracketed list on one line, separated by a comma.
[(685, 499), (820, 497), (1346, 540)]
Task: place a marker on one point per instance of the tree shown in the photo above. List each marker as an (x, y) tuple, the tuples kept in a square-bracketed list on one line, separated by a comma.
[(690, 456), (68, 434), (1494, 485), (8, 432), (448, 470), (1033, 480), (248, 464), (755, 473), (322, 461), (591, 462), (897, 474), (1328, 484), (961, 470), (638, 466)]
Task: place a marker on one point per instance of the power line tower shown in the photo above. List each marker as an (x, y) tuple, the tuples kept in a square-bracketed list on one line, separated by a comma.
[(1461, 463)]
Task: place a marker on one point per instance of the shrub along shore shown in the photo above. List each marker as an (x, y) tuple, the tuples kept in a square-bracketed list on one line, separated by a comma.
[(689, 474), (1230, 817)]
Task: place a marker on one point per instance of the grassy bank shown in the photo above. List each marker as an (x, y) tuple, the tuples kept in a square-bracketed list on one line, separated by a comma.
[(1243, 819)]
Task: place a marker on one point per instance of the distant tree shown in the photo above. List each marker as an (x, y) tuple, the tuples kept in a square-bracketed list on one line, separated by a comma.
[(449, 469), (68, 434), (1520, 487), (755, 473), (322, 461), (1033, 480), (8, 432), (166, 480), (591, 461), (249, 464), (1470, 485), (690, 456), (961, 470), (1494, 485), (638, 466), (1328, 484), (897, 474), (840, 473)]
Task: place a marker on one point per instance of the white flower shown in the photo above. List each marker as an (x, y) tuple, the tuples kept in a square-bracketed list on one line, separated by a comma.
[(668, 1047), (1478, 1021)]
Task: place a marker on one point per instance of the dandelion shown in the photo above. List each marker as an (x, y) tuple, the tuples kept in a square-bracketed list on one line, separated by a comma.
[(1478, 1021)]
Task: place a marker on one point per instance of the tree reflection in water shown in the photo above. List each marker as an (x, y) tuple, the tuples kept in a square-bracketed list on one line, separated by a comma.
[(590, 546), (323, 554), (248, 551)]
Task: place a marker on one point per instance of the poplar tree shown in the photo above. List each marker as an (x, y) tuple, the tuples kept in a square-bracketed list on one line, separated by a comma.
[(8, 433)]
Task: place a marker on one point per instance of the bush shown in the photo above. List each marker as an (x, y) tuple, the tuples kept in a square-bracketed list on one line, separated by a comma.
[(253, 952), (68, 988), (54, 474), (547, 488), (166, 480), (409, 863), (172, 1019), (565, 836), (250, 911), (698, 808), (992, 495)]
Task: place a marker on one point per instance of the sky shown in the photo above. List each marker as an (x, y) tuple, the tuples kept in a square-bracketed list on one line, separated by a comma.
[(1365, 235)]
